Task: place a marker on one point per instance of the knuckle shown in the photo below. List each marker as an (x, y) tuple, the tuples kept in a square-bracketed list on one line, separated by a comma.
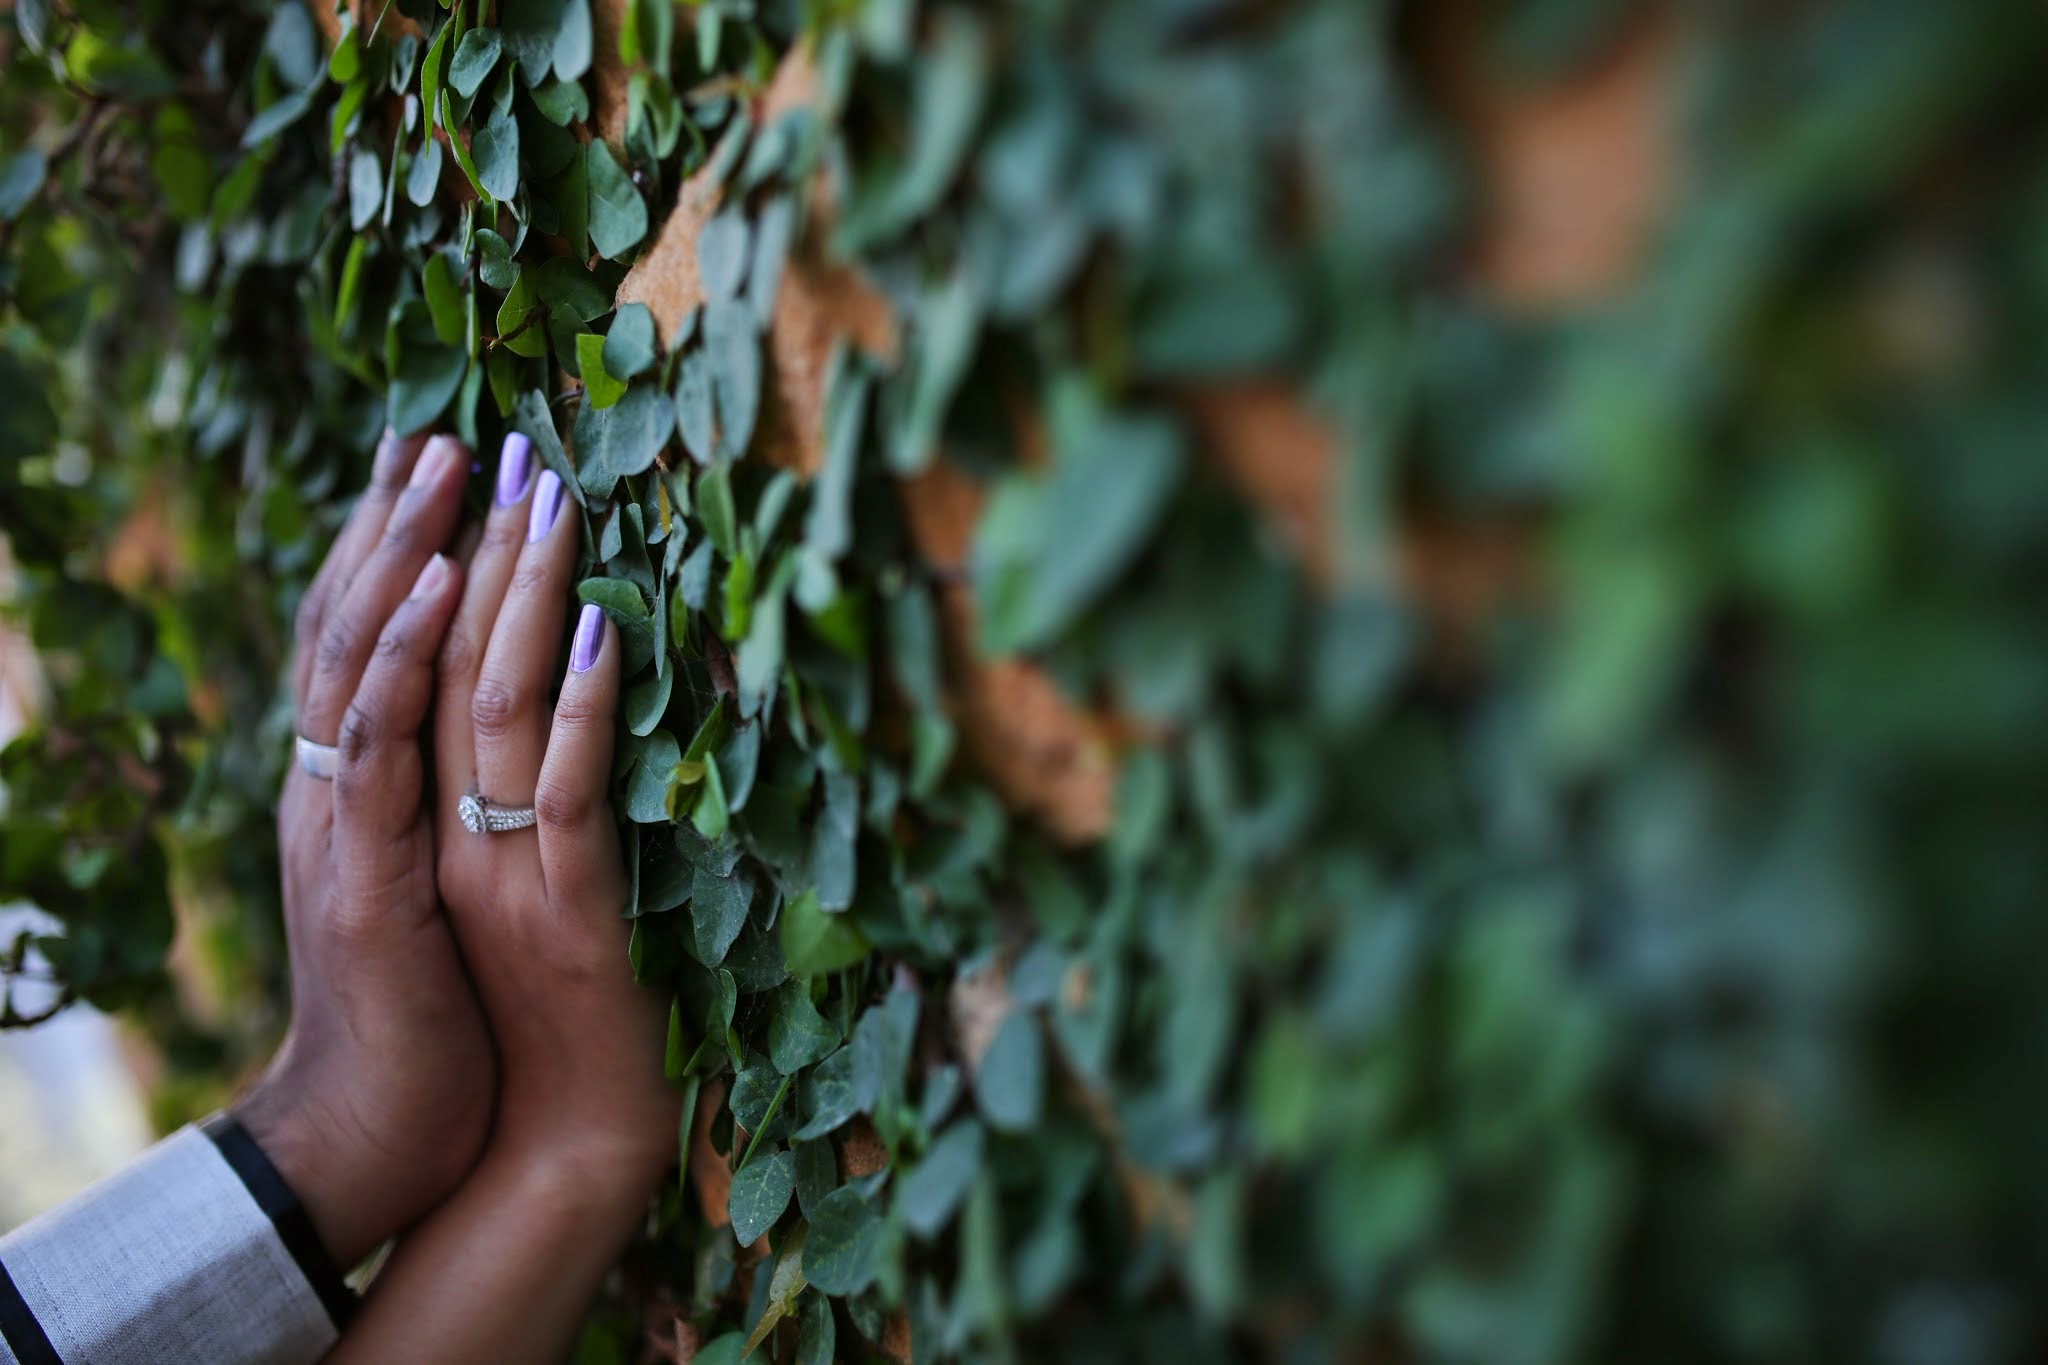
[(502, 535), (562, 805), (340, 645), (497, 708), (361, 729), (577, 714), (398, 640), (306, 624), (460, 653), (532, 574)]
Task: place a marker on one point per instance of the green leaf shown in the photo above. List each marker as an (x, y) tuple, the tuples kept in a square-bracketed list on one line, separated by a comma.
[(600, 389), (1010, 1083), (444, 299), (843, 1249), (427, 375), (622, 440), (519, 325), (423, 177), (933, 1190), (433, 71), (718, 910), (475, 58), (647, 785), (531, 416), (797, 1034), (496, 151), (722, 254), (629, 345), (494, 263), (647, 701), (816, 1333), (715, 510), (772, 237), (814, 942), (365, 188), (734, 349), (760, 1192), (177, 161), (618, 216), (19, 180), (278, 115), (694, 419)]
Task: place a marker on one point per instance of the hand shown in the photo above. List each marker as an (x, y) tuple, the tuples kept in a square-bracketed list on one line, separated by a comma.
[(379, 1100), (538, 910)]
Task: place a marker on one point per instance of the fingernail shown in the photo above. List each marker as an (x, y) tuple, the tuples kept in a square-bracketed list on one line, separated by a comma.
[(435, 459), (547, 502), (430, 578), (515, 462), (589, 638), (388, 447)]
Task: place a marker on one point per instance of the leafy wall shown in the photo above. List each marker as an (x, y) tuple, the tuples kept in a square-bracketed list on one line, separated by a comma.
[(1308, 680)]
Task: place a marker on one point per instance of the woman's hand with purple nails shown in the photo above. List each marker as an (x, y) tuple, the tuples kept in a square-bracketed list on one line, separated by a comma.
[(378, 1102), (538, 910)]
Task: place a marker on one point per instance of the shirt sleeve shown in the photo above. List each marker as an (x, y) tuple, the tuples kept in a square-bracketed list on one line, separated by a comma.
[(196, 1251)]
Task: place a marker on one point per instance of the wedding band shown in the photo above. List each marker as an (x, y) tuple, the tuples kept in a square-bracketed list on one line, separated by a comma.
[(318, 760), (482, 816)]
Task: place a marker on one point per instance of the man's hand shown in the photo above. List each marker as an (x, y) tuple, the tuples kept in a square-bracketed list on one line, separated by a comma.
[(379, 1100)]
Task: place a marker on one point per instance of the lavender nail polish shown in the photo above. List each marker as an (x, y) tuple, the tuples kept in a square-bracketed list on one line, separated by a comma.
[(547, 504), (515, 465), (589, 638)]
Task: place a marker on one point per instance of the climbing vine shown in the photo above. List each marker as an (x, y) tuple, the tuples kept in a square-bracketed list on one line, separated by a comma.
[(1212, 766)]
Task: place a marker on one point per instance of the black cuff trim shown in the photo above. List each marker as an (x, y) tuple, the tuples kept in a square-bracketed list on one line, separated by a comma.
[(287, 1215), (19, 1328)]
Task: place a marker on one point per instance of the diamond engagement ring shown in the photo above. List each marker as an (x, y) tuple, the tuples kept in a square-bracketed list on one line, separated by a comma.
[(482, 816), (318, 760)]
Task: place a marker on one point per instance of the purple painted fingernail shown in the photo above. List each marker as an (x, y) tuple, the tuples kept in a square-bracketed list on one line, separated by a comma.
[(515, 463), (589, 638), (547, 502)]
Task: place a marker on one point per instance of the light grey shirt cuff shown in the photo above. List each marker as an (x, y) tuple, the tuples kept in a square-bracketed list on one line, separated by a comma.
[(171, 1260)]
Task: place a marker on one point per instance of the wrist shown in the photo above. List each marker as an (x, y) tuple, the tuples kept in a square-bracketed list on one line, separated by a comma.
[(616, 1167), (310, 1152)]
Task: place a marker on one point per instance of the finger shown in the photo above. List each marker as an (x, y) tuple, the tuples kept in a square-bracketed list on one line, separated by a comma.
[(378, 783), (508, 710), (462, 652), (396, 456), (579, 843), (418, 526)]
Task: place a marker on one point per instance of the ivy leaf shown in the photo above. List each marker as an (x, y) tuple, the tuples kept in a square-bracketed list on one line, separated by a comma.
[(647, 702), (496, 152), (734, 349), (494, 263), (754, 1092), (647, 785), (760, 1192), (816, 1332), (629, 345), (600, 388), (933, 1190), (814, 941), (444, 299), (838, 1088), (772, 236), (618, 216), (530, 415), (842, 1251), (622, 440), (280, 114), (714, 508), (718, 911), (1010, 1083), (427, 375), (722, 254), (817, 1174), (797, 1034), (19, 181), (475, 58), (365, 188), (694, 420), (423, 177)]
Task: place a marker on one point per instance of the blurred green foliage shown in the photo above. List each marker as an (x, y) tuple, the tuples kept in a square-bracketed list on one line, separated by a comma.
[(1645, 969)]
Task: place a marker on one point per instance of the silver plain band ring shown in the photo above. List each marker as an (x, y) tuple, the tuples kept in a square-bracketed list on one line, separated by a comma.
[(483, 816), (316, 759)]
